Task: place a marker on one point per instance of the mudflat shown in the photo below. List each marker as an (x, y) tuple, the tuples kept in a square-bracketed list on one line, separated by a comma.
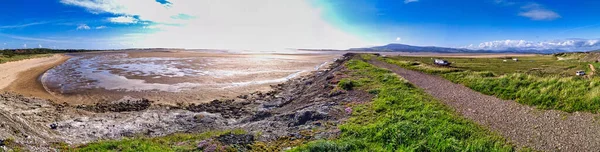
[(174, 76)]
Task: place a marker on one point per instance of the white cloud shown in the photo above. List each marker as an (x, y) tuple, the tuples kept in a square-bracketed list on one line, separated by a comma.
[(83, 27), (228, 24), (410, 1), (123, 20), (398, 39), (146, 10), (568, 45), (101, 27), (536, 12)]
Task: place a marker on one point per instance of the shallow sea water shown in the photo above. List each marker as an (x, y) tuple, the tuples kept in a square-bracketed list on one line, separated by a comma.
[(120, 72)]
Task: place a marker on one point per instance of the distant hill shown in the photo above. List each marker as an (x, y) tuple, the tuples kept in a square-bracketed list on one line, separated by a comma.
[(434, 49)]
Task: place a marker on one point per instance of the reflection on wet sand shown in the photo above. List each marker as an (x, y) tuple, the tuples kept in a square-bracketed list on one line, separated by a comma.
[(173, 77)]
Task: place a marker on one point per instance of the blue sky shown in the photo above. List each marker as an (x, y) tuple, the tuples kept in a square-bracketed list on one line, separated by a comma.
[(275, 24)]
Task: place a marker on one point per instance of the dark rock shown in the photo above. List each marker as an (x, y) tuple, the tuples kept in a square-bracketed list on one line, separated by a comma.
[(2, 143), (53, 126), (302, 117), (260, 115), (127, 134), (272, 104), (233, 139), (227, 108), (124, 105)]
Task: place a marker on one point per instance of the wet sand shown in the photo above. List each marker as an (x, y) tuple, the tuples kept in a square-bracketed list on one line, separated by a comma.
[(23, 76), (175, 76)]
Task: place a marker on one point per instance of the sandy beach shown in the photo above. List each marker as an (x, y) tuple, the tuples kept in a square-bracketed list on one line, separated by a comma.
[(23, 76)]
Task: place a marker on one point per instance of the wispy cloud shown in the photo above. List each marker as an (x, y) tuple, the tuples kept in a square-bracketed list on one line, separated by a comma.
[(101, 27), (123, 20), (83, 27), (33, 39), (504, 2), (537, 12), (531, 10), (22, 25), (410, 1)]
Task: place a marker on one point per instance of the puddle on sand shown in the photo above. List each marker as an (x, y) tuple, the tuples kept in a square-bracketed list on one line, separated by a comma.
[(119, 72)]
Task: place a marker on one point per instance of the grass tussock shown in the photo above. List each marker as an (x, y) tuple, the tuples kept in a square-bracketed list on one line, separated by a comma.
[(403, 118), (548, 84)]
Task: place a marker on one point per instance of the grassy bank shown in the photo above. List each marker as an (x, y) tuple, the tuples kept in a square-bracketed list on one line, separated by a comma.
[(541, 81), (403, 118), (12, 58), (171, 143), (10, 55)]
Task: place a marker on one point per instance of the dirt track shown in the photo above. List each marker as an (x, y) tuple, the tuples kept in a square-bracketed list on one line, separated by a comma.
[(524, 126)]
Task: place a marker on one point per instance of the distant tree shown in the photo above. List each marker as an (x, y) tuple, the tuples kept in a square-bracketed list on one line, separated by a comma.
[(8, 54)]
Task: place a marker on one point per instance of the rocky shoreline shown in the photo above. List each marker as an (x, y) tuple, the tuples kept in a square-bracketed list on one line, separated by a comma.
[(290, 110)]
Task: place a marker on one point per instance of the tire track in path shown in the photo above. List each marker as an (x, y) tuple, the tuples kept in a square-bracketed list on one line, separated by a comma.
[(524, 126)]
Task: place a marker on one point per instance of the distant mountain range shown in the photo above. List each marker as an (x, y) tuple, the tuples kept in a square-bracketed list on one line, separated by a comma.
[(434, 49)]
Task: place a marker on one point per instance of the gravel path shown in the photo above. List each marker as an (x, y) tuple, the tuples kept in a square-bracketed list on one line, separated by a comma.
[(524, 126)]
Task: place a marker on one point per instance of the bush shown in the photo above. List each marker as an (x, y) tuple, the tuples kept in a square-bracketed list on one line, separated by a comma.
[(346, 84)]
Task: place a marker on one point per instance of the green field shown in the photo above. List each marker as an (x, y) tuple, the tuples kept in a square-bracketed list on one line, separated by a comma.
[(542, 65), (544, 81)]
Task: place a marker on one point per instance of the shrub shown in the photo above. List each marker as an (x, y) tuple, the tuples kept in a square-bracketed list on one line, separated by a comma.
[(346, 84)]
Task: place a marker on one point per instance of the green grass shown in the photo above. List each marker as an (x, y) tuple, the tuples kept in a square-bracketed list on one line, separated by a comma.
[(171, 143), (4, 59), (568, 94), (403, 118), (548, 84), (541, 65)]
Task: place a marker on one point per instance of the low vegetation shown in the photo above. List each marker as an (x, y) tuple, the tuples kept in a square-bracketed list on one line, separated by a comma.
[(403, 118), (170, 143), (545, 81), (12, 58), (10, 55)]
